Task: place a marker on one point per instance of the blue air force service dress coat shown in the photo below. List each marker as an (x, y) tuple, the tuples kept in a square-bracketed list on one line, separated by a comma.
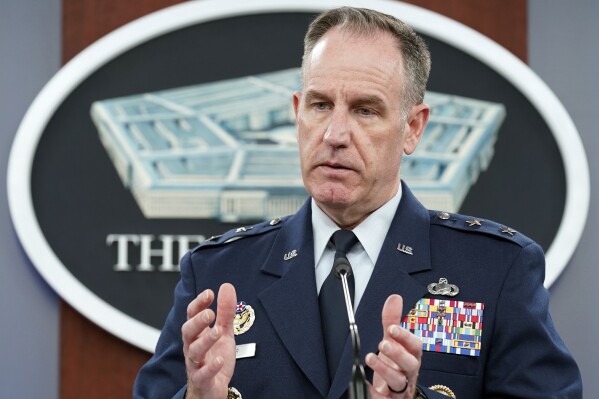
[(494, 339)]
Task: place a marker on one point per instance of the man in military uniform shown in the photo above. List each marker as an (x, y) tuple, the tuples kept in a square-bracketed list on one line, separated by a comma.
[(446, 305)]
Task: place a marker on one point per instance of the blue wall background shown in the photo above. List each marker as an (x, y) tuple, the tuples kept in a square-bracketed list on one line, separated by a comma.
[(562, 50), (30, 48)]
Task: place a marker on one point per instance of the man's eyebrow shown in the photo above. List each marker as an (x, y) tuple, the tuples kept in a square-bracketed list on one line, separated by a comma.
[(310, 94), (368, 100)]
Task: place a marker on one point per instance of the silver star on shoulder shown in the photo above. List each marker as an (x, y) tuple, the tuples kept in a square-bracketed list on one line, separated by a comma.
[(507, 230), (473, 222), (243, 229), (443, 215)]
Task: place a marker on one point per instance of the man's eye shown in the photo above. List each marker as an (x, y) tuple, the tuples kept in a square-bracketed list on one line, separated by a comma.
[(365, 111), (320, 106)]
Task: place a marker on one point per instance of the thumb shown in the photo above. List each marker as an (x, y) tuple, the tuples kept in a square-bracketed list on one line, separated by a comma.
[(225, 308), (392, 311)]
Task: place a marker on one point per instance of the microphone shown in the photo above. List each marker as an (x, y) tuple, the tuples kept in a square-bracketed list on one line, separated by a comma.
[(358, 388)]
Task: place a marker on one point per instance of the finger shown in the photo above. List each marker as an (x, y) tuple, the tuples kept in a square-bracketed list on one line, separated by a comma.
[(386, 374), (399, 359), (201, 302), (193, 327), (225, 308), (409, 341), (392, 312), (388, 369), (378, 383), (401, 353), (391, 319), (198, 349), (204, 376)]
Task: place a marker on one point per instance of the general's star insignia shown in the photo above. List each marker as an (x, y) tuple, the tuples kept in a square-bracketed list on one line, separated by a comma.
[(508, 230), (443, 215), (275, 221), (473, 222)]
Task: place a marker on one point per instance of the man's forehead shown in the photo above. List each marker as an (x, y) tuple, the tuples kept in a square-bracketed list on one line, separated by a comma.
[(338, 44), (365, 69), (341, 35)]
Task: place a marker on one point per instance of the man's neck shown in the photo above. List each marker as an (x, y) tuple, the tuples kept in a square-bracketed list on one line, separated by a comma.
[(348, 217)]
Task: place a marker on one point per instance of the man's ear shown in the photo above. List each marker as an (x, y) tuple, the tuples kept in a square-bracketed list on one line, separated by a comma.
[(417, 120), (297, 96)]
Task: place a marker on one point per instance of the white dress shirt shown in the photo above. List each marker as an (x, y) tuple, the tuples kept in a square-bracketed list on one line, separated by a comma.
[(371, 233)]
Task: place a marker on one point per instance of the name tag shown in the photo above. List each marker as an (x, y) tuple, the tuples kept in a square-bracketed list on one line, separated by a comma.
[(245, 350)]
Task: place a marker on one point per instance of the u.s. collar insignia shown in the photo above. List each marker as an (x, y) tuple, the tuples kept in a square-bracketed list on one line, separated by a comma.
[(405, 249), (443, 288), (244, 318), (290, 255)]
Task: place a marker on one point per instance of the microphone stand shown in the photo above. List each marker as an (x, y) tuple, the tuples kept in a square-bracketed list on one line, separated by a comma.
[(358, 388)]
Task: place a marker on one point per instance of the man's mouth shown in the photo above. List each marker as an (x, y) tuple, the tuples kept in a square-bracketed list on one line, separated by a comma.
[(334, 168), (334, 165)]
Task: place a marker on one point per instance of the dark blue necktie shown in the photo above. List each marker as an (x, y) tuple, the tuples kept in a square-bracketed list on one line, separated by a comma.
[(333, 313)]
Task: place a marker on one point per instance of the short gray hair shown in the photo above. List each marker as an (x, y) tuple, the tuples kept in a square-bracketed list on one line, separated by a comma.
[(363, 21)]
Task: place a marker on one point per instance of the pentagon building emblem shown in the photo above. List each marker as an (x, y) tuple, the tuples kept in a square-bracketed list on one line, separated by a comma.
[(227, 150)]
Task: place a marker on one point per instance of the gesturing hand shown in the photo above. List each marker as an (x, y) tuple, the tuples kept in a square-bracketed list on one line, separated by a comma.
[(210, 351), (398, 362)]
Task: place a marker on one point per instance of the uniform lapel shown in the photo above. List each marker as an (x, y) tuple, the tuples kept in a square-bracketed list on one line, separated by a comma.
[(391, 275), (291, 303)]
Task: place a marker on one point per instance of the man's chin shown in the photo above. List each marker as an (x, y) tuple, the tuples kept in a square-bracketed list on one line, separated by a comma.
[(333, 199)]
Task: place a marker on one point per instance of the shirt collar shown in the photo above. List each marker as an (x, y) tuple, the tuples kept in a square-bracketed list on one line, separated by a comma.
[(371, 231)]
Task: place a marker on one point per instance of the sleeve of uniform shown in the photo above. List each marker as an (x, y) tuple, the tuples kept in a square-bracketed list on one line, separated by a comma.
[(528, 359), (164, 375)]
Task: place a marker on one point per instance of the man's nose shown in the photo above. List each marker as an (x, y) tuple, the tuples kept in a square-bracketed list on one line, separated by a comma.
[(338, 133)]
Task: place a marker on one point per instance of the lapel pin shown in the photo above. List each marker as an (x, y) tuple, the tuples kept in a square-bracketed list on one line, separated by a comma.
[(405, 249), (290, 255), (443, 288), (244, 318)]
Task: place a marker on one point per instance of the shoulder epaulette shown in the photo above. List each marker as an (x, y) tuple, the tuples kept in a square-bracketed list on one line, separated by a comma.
[(478, 225), (240, 232)]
